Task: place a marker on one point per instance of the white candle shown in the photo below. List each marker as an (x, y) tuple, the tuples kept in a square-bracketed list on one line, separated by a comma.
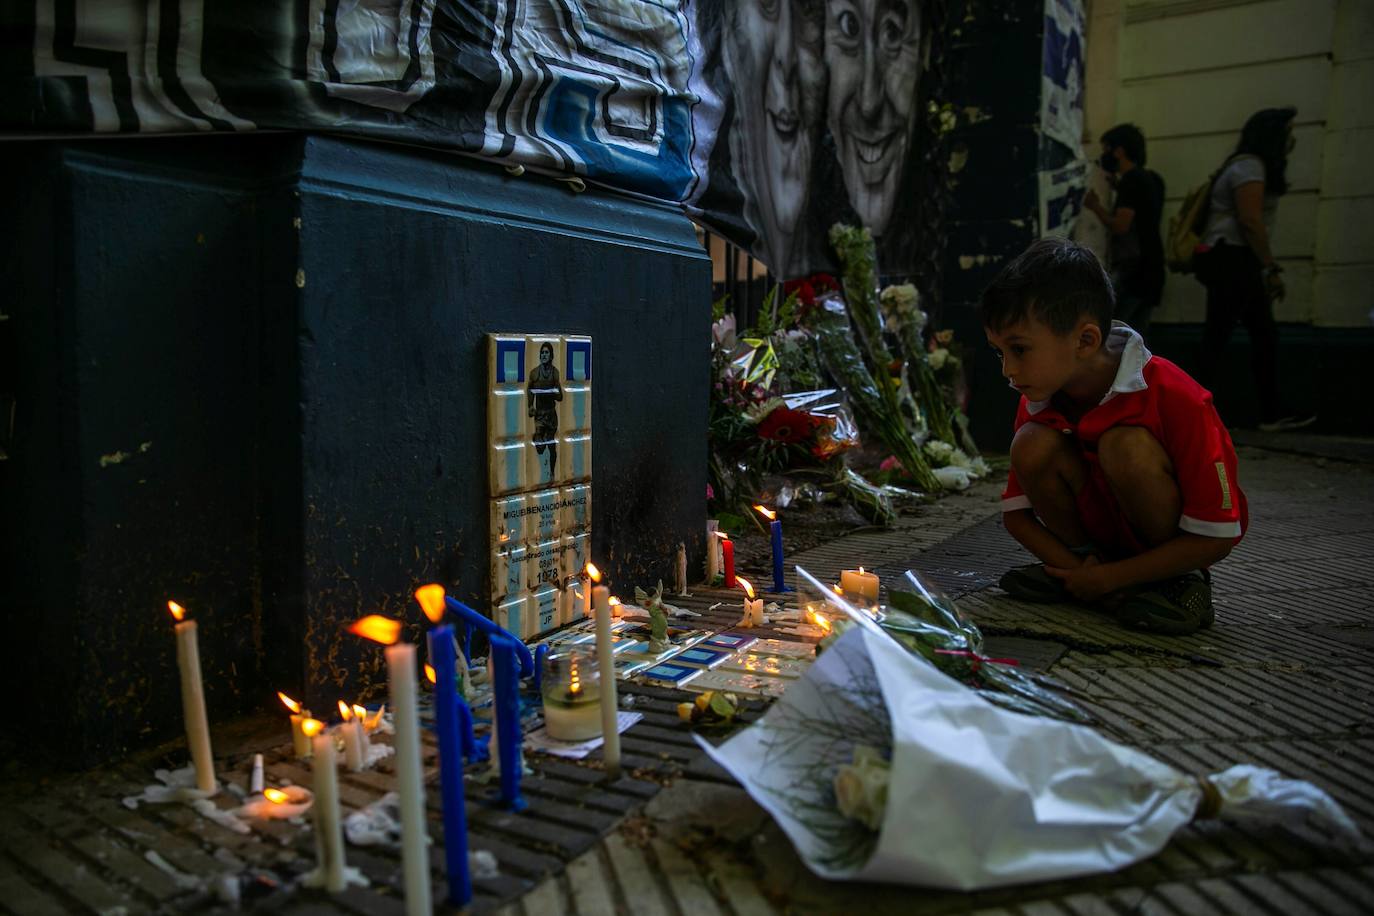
[(605, 662), (193, 700), (328, 822), (856, 583), (400, 660), (300, 741), (360, 715), (281, 804), (352, 731), (255, 785), (681, 570), (586, 597), (713, 552)]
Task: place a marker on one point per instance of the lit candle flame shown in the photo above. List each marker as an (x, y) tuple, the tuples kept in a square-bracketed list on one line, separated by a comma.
[(614, 600), (276, 796), (593, 573), (722, 535), (574, 679), (431, 598), (360, 712), (861, 570), (289, 703), (838, 590), (177, 610), (766, 512), (345, 711), (311, 727), (822, 623), (746, 585), (431, 675), (376, 719), (377, 628)]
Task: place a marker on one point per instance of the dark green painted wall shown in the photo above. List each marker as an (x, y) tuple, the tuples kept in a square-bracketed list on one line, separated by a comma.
[(296, 455)]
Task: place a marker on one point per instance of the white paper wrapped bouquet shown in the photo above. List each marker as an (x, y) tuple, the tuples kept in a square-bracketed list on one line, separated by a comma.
[(881, 767)]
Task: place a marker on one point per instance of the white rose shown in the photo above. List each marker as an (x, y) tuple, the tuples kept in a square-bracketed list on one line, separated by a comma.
[(952, 478), (980, 467), (861, 787), (939, 451), (938, 356)]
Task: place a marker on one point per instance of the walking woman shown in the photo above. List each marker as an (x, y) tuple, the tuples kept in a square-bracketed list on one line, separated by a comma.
[(1237, 265)]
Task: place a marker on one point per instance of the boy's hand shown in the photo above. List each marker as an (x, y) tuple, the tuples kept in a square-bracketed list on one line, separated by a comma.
[(1088, 582)]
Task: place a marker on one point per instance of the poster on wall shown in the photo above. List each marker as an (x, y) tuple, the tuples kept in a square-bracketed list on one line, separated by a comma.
[(808, 118), (1061, 198), (1062, 76), (768, 122)]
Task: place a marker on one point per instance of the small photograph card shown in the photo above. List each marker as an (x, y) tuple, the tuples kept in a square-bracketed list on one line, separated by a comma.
[(730, 641), (701, 656), (759, 685), (629, 665), (785, 648), (669, 674), (773, 665)]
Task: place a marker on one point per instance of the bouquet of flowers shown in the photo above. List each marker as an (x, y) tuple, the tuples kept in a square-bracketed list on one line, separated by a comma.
[(880, 767)]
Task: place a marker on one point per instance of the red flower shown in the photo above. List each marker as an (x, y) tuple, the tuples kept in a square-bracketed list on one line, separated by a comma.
[(808, 288), (787, 425)]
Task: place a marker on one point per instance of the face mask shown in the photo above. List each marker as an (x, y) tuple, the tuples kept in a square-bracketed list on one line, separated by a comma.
[(1108, 162)]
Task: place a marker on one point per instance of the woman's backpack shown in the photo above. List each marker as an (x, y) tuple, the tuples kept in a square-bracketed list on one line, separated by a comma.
[(1187, 225)]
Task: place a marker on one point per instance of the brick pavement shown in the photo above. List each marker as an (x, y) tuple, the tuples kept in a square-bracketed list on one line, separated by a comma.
[(1284, 679)]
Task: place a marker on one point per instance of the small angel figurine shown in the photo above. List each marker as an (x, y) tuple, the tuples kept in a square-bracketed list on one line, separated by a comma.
[(658, 617)]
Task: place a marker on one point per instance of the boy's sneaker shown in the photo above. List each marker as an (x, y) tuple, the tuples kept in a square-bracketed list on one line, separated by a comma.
[(1286, 424), (1032, 583), (1175, 607)]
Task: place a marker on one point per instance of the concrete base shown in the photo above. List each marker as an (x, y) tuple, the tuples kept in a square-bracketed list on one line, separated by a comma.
[(249, 375)]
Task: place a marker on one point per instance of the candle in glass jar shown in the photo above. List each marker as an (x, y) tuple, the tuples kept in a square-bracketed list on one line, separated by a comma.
[(572, 696), (859, 584)]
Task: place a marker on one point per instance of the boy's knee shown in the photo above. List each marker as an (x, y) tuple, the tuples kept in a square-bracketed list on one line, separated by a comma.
[(1128, 453), (1037, 447)]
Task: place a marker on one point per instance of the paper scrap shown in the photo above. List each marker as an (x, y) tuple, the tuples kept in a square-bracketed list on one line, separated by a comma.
[(541, 740)]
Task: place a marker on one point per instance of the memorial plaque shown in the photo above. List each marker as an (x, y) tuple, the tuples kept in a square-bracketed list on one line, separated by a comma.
[(540, 440)]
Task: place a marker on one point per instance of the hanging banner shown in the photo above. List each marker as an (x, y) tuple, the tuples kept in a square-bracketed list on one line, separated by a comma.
[(1061, 198), (767, 122), (1062, 80)]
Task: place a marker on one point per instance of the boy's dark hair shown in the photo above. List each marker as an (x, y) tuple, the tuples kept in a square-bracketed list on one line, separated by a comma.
[(1055, 281), (1130, 139)]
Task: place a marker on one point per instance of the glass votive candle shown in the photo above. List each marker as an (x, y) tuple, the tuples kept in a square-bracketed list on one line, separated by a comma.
[(572, 695)]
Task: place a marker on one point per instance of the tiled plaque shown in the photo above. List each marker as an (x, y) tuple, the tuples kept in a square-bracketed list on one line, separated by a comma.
[(539, 413)]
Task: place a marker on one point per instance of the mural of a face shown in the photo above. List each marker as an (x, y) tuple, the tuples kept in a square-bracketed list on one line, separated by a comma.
[(872, 50), (772, 56)]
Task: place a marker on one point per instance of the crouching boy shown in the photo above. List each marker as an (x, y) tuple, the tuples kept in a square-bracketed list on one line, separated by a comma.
[(1123, 478)]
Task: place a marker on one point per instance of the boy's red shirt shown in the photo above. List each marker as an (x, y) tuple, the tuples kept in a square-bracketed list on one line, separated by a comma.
[(1156, 395)]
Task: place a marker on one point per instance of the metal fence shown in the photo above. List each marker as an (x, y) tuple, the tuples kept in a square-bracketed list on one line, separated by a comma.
[(737, 277)]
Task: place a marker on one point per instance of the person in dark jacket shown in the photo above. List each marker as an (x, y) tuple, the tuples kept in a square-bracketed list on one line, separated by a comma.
[(1137, 249)]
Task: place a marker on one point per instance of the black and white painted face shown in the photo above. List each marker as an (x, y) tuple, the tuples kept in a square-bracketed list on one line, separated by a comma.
[(872, 50), (545, 355), (772, 55)]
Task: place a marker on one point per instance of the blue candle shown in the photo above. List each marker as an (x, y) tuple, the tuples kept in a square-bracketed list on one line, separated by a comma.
[(776, 528), (451, 752), (506, 713)]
